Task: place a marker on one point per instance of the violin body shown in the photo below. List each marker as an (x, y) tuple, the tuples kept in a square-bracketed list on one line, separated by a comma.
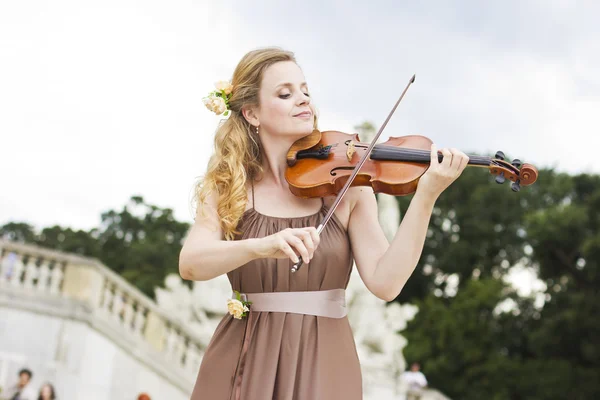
[(320, 164)]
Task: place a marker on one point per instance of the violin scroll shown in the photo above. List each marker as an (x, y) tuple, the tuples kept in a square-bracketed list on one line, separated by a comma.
[(516, 171)]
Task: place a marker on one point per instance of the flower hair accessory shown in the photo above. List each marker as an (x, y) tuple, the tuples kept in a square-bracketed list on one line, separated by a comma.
[(238, 307), (217, 101)]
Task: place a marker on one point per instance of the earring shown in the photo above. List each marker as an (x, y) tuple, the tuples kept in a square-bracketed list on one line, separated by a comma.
[(257, 130)]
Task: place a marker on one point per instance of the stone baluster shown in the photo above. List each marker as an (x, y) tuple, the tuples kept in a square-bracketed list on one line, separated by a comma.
[(117, 305), (56, 277), (42, 284), (106, 299), (170, 345), (128, 314), (140, 319), (179, 350), (31, 273), (5, 265), (16, 270)]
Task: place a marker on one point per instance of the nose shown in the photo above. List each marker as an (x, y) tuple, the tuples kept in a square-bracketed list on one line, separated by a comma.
[(303, 99)]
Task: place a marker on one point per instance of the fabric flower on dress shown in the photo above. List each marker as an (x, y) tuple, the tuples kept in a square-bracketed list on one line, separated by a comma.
[(238, 307)]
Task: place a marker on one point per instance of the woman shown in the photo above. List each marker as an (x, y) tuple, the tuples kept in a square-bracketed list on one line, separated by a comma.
[(294, 341), (47, 392)]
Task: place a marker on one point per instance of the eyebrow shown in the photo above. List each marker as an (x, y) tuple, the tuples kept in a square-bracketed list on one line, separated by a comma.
[(288, 84)]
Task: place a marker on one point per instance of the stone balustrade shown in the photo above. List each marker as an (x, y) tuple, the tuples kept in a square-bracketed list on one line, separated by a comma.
[(114, 306), (163, 336)]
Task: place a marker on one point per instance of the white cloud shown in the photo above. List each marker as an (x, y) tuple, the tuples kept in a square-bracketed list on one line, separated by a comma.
[(100, 102)]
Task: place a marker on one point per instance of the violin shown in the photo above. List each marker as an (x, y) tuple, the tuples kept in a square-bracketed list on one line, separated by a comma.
[(320, 164), (327, 163)]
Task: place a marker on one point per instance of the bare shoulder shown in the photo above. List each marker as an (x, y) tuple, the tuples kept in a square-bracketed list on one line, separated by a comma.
[(207, 218), (362, 196)]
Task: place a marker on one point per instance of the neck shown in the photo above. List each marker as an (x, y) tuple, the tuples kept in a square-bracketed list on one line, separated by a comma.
[(274, 151)]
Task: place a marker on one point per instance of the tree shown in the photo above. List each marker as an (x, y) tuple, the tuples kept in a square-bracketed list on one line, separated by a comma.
[(18, 232), (547, 353), (141, 242), (478, 232)]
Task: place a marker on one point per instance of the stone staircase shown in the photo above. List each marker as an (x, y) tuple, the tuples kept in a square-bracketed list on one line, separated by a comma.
[(101, 338), (67, 287)]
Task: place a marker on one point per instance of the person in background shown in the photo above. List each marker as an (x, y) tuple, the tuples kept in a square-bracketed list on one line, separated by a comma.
[(47, 392), (143, 396), (23, 389), (416, 382)]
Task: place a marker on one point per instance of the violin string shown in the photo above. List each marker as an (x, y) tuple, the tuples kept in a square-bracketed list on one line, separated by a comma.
[(486, 161), (421, 155), (415, 156), (418, 151)]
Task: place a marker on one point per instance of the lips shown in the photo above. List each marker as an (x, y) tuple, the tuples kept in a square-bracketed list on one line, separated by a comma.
[(304, 114)]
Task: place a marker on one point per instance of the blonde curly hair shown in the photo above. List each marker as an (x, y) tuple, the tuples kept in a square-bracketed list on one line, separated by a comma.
[(237, 152)]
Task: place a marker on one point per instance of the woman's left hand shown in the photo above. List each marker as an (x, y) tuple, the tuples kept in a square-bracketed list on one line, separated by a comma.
[(441, 174)]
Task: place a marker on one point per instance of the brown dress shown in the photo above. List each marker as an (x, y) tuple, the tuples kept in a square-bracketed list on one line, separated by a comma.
[(284, 356)]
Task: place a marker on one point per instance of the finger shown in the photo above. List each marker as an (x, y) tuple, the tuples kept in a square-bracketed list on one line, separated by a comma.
[(308, 242), (434, 155), (314, 235), (300, 248), (288, 251), (464, 161), (456, 159), (447, 161)]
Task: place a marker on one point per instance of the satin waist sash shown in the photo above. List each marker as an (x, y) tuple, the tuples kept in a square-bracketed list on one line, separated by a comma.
[(321, 303)]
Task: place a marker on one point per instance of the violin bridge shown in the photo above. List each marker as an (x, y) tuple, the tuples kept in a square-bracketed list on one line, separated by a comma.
[(350, 151)]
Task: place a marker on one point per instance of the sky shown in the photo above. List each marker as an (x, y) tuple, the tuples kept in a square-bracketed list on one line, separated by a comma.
[(100, 101)]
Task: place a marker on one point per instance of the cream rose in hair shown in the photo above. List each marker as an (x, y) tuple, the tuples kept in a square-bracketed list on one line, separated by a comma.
[(236, 308), (208, 103), (218, 105), (217, 101), (215, 104), (224, 86)]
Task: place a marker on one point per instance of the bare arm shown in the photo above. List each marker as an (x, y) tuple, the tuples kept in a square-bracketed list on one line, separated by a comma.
[(205, 254), (385, 268)]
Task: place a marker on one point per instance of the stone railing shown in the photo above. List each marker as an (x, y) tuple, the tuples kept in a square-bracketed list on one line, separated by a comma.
[(106, 301)]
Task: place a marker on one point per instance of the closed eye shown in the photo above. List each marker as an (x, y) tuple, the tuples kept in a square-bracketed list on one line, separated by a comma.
[(285, 96)]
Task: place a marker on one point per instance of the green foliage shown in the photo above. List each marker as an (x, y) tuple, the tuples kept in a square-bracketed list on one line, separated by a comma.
[(478, 227), (467, 348), (469, 352), (141, 242)]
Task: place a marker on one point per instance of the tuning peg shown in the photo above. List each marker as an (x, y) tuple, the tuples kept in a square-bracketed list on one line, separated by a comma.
[(500, 178), (500, 155), (517, 163), (515, 186)]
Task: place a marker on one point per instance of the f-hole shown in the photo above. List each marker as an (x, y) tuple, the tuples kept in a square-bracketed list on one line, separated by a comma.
[(334, 173)]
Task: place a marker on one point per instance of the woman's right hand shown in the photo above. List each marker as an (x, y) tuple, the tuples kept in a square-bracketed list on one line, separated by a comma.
[(289, 242)]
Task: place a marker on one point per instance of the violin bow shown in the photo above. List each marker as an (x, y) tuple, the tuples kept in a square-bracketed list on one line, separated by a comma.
[(342, 192)]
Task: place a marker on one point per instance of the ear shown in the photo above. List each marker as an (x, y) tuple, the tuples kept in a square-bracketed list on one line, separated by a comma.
[(251, 115)]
